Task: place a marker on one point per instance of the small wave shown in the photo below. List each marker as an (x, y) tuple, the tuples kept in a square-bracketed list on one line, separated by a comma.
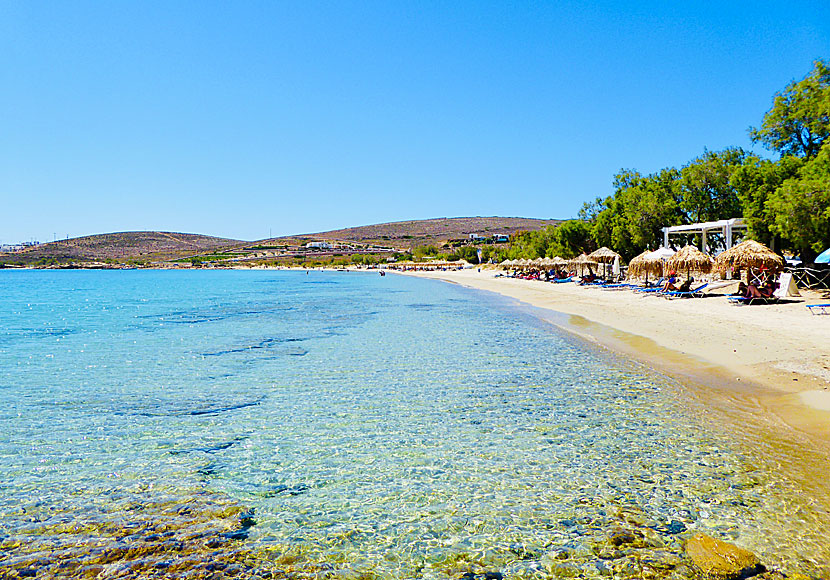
[(263, 344), (179, 412), (209, 448)]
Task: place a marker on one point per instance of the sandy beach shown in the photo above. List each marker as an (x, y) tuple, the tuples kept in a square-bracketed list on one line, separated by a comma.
[(771, 362)]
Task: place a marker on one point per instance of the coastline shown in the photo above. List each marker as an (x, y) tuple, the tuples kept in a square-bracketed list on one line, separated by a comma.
[(771, 362)]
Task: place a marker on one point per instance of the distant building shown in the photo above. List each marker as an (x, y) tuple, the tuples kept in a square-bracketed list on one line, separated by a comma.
[(318, 245), (11, 247), (495, 238)]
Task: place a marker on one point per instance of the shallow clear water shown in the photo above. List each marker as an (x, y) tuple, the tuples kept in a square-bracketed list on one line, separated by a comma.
[(344, 424)]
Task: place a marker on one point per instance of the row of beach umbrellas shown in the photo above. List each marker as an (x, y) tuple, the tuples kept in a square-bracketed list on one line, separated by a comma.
[(538, 262), (601, 256), (748, 255)]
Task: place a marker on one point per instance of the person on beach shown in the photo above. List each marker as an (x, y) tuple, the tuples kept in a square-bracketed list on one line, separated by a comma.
[(669, 286), (686, 286), (764, 291)]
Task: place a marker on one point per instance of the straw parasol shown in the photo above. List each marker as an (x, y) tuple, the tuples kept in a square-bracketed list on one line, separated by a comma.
[(603, 255), (650, 262), (690, 258), (581, 262), (637, 265), (557, 261), (749, 255)]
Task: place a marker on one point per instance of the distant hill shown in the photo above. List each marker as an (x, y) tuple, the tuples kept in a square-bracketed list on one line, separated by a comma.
[(155, 247), (121, 246), (408, 234)]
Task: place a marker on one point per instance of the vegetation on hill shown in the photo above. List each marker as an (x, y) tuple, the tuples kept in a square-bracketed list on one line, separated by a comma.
[(414, 233), (124, 247)]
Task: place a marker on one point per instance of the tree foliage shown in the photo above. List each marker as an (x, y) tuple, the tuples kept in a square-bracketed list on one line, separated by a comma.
[(799, 121), (706, 192), (800, 208), (755, 181)]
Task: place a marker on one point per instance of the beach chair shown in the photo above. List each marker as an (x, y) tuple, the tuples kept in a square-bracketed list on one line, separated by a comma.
[(818, 309), (746, 301), (654, 290), (652, 287), (620, 286), (696, 293)]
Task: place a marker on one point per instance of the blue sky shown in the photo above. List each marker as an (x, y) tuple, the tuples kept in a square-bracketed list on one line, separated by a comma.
[(238, 119)]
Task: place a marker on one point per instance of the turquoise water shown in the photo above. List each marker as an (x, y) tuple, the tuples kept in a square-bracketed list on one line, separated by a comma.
[(347, 425)]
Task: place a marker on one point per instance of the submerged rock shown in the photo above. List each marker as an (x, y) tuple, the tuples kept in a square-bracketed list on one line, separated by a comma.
[(621, 536), (660, 560), (722, 560), (482, 576), (675, 527)]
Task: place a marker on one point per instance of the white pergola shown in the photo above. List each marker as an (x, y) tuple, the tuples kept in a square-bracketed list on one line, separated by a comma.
[(725, 227)]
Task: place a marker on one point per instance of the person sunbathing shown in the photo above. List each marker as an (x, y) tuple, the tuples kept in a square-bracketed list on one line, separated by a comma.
[(668, 285), (764, 291), (686, 286)]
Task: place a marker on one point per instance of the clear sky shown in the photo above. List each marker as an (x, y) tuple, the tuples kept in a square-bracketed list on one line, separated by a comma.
[(238, 119)]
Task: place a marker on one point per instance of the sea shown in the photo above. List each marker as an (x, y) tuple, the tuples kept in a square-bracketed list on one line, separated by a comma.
[(284, 424)]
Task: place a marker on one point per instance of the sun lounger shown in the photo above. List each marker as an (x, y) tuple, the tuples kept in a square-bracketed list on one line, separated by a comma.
[(819, 308), (560, 280), (745, 300), (696, 293), (656, 289)]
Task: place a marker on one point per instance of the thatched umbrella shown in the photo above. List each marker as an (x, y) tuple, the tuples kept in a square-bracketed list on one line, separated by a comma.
[(604, 256), (690, 258), (582, 261), (650, 262), (749, 255), (658, 259), (557, 261), (637, 266)]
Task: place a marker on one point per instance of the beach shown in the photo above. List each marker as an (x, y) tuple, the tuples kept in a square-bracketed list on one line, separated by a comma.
[(772, 358)]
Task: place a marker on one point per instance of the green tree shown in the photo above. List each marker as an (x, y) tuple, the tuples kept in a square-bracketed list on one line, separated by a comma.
[(631, 219), (569, 239), (799, 121), (706, 192), (421, 252), (755, 181), (801, 207), (468, 253), (652, 205)]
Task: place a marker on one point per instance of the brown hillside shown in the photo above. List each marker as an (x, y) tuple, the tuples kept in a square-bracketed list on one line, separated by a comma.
[(413, 233), (122, 246)]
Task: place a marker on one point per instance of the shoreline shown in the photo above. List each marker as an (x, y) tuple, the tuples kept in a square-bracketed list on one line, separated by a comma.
[(769, 362)]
